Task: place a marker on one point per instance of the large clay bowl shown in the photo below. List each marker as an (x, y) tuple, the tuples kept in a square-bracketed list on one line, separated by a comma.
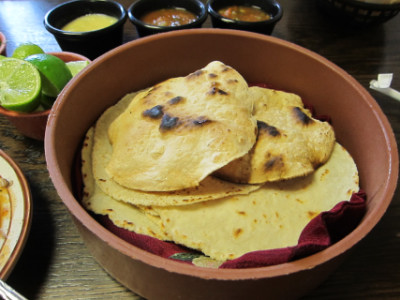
[(358, 120)]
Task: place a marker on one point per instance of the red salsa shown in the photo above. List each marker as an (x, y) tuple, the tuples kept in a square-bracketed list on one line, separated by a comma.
[(169, 17), (244, 13)]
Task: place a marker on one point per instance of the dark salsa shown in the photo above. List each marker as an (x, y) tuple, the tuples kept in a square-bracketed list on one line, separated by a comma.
[(244, 13), (169, 17)]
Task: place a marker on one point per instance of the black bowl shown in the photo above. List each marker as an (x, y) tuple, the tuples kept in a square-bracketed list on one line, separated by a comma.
[(266, 27), (141, 7), (89, 43)]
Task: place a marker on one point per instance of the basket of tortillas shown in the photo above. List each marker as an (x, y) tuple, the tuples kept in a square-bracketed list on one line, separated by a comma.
[(361, 12), (203, 171)]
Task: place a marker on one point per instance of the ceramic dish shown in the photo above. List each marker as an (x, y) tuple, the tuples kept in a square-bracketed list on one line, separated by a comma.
[(259, 58), (16, 213), (140, 8), (88, 43), (272, 7), (33, 125)]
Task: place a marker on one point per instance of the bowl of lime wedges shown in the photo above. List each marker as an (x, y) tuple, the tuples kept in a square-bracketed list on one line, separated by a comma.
[(33, 82)]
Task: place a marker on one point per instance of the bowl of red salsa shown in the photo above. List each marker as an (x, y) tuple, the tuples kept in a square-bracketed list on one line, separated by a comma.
[(252, 15), (157, 16)]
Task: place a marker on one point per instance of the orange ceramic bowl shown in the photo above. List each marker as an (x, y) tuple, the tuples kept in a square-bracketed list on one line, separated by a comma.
[(33, 125), (259, 58), (3, 43)]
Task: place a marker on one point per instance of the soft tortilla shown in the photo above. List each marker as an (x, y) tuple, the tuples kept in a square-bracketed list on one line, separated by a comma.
[(271, 217), (210, 188), (121, 214), (177, 133), (290, 143)]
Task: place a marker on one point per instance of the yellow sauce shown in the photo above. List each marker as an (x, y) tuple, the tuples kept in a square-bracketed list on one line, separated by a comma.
[(90, 22)]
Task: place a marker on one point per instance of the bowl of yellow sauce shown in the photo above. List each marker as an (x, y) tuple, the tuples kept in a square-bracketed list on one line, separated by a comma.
[(157, 16), (90, 28), (251, 15)]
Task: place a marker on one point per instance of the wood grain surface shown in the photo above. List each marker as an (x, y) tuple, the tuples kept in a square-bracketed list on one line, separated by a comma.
[(55, 263)]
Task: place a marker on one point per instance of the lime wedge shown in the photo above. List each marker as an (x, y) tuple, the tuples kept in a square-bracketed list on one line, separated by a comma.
[(54, 72), (47, 101), (20, 85), (76, 66), (26, 49)]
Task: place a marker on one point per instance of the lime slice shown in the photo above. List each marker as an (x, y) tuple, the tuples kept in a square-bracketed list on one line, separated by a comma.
[(25, 50), (76, 66), (20, 85), (54, 72)]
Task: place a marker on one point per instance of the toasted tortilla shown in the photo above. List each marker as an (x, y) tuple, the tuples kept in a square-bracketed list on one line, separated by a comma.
[(290, 142), (120, 213), (172, 136), (268, 218), (210, 188)]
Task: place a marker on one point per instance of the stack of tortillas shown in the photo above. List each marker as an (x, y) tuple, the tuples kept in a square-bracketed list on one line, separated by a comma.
[(210, 163)]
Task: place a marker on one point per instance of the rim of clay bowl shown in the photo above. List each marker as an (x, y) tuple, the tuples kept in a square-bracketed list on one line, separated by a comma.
[(21, 204), (155, 261)]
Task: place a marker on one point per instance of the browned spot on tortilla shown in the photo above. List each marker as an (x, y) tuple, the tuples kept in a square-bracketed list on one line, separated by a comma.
[(237, 232), (195, 74), (215, 90), (268, 129), (155, 112), (176, 100), (275, 162), (301, 116), (311, 214)]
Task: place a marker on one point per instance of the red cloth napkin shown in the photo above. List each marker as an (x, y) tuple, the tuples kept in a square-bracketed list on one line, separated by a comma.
[(322, 231)]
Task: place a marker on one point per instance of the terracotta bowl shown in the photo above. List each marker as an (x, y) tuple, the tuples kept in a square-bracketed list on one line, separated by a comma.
[(33, 125), (3, 43), (16, 215), (259, 58)]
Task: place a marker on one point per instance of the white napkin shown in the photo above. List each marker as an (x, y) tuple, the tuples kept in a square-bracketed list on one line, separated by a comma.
[(382, 84)]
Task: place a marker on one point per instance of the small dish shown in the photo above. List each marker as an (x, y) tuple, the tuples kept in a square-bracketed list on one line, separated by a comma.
[(271, 7), (33, 125), (16, 214), (88, 43), (3, 42), (140, 8)]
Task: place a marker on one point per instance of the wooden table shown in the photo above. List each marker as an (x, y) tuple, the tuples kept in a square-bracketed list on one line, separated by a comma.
[(55, 263)]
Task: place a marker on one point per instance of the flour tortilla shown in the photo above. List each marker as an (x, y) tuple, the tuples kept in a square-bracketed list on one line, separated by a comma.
[(175, 134), (121, 214), (290, 142), (210, 188), (268, 218)]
